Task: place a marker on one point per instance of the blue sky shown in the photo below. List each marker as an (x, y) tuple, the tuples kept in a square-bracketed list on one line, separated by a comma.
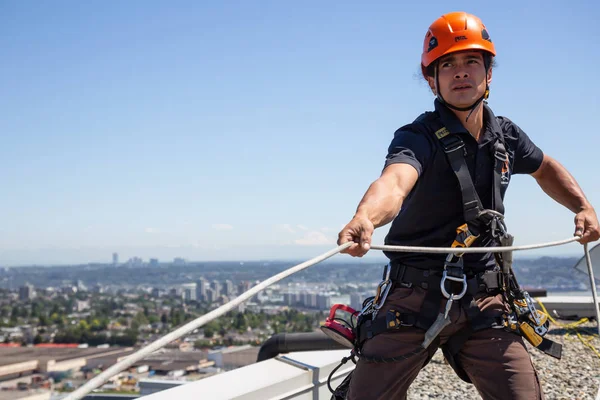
[(250, 130)]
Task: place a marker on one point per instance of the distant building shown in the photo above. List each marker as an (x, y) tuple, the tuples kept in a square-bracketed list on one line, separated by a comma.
[(323, 302), (81, 305), (228, 288), (135, 262), (356, 301), (230, 358), (176, 292), (26, 292), (210, 296), (69, 290), (23, 362), (189, 295), (311, 300), (244, 287), (153, 262), (98, 288), (304, 300), (287, 298), (115, 259), (201, 286), (189, 291), (216, 287), (78, 283), (179, 261)]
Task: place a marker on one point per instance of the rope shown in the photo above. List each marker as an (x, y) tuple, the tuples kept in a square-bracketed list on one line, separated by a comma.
[(100, 379), (447, 250), (588, 260), (572, 326)]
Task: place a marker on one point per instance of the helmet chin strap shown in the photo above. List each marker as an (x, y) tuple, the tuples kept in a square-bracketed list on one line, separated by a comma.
[(472, 107)]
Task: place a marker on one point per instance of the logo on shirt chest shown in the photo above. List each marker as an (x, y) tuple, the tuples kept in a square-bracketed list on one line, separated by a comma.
[(443, 132)]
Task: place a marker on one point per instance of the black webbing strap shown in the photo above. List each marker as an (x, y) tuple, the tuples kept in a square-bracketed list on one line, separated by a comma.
[(551, 348), (454, 147), (455, 150), (500, 161), (407, 276), (391, 321), (430, 308)]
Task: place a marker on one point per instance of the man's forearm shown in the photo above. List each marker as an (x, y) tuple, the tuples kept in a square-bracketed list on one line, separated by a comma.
[(560, 185), (381, 203)]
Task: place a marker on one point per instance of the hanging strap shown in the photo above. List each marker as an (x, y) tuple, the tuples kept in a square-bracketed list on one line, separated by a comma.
[(501, 161), (455, 151)]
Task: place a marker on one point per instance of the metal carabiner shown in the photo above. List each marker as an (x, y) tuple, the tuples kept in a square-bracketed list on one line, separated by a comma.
[(503, 228), (498, 228), (386, 289), (497, 223), (367, 309), (386, 279), (382, 291), (452, 278), (493, 213)]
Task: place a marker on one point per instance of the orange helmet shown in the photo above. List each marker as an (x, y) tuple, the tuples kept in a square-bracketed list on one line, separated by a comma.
[(452, 32)]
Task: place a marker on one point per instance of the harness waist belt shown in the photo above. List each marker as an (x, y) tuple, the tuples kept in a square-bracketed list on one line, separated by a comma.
[(485, 281)]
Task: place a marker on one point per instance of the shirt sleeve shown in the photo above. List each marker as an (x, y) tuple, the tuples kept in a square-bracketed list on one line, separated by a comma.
[(528, 156), (409, 148)]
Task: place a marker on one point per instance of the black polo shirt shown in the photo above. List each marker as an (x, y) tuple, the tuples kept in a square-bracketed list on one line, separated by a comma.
[(433, 209)]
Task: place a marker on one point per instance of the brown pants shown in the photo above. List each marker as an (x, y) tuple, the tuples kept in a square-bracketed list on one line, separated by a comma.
[(496, 361)]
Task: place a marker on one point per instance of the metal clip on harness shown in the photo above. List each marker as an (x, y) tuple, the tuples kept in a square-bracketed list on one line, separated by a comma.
[(383, 290), (453, 271)]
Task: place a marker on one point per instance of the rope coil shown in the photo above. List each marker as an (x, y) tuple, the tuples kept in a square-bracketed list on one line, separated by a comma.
[(101, 378)]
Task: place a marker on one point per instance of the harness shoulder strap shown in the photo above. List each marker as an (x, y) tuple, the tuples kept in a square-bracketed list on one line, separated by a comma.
[(500, 173), (454, 147)]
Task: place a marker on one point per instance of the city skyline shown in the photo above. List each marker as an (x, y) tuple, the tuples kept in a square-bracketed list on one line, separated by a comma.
[(170, 256)]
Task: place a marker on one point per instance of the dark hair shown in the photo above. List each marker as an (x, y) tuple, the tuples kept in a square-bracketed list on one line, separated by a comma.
[(488, 60)]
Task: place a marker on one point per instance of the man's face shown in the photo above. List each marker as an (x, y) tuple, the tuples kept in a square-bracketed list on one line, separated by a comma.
[(462, 78)]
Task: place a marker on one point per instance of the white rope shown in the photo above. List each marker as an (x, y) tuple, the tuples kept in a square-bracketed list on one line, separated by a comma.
[(447, 250), (100, 379), (588, 260)]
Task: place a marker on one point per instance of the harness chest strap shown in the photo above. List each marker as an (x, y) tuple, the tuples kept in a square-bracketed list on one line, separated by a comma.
[(455, 151)]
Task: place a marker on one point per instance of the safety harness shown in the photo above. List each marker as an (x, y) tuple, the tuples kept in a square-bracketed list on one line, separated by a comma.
[(454, 283)]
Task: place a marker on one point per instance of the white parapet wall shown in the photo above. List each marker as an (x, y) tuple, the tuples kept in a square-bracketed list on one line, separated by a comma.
[(60, 366), (17, 368), (45, 395), (298, 375)]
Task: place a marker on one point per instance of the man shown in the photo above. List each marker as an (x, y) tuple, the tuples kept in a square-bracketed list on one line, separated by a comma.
[(427, 201)]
